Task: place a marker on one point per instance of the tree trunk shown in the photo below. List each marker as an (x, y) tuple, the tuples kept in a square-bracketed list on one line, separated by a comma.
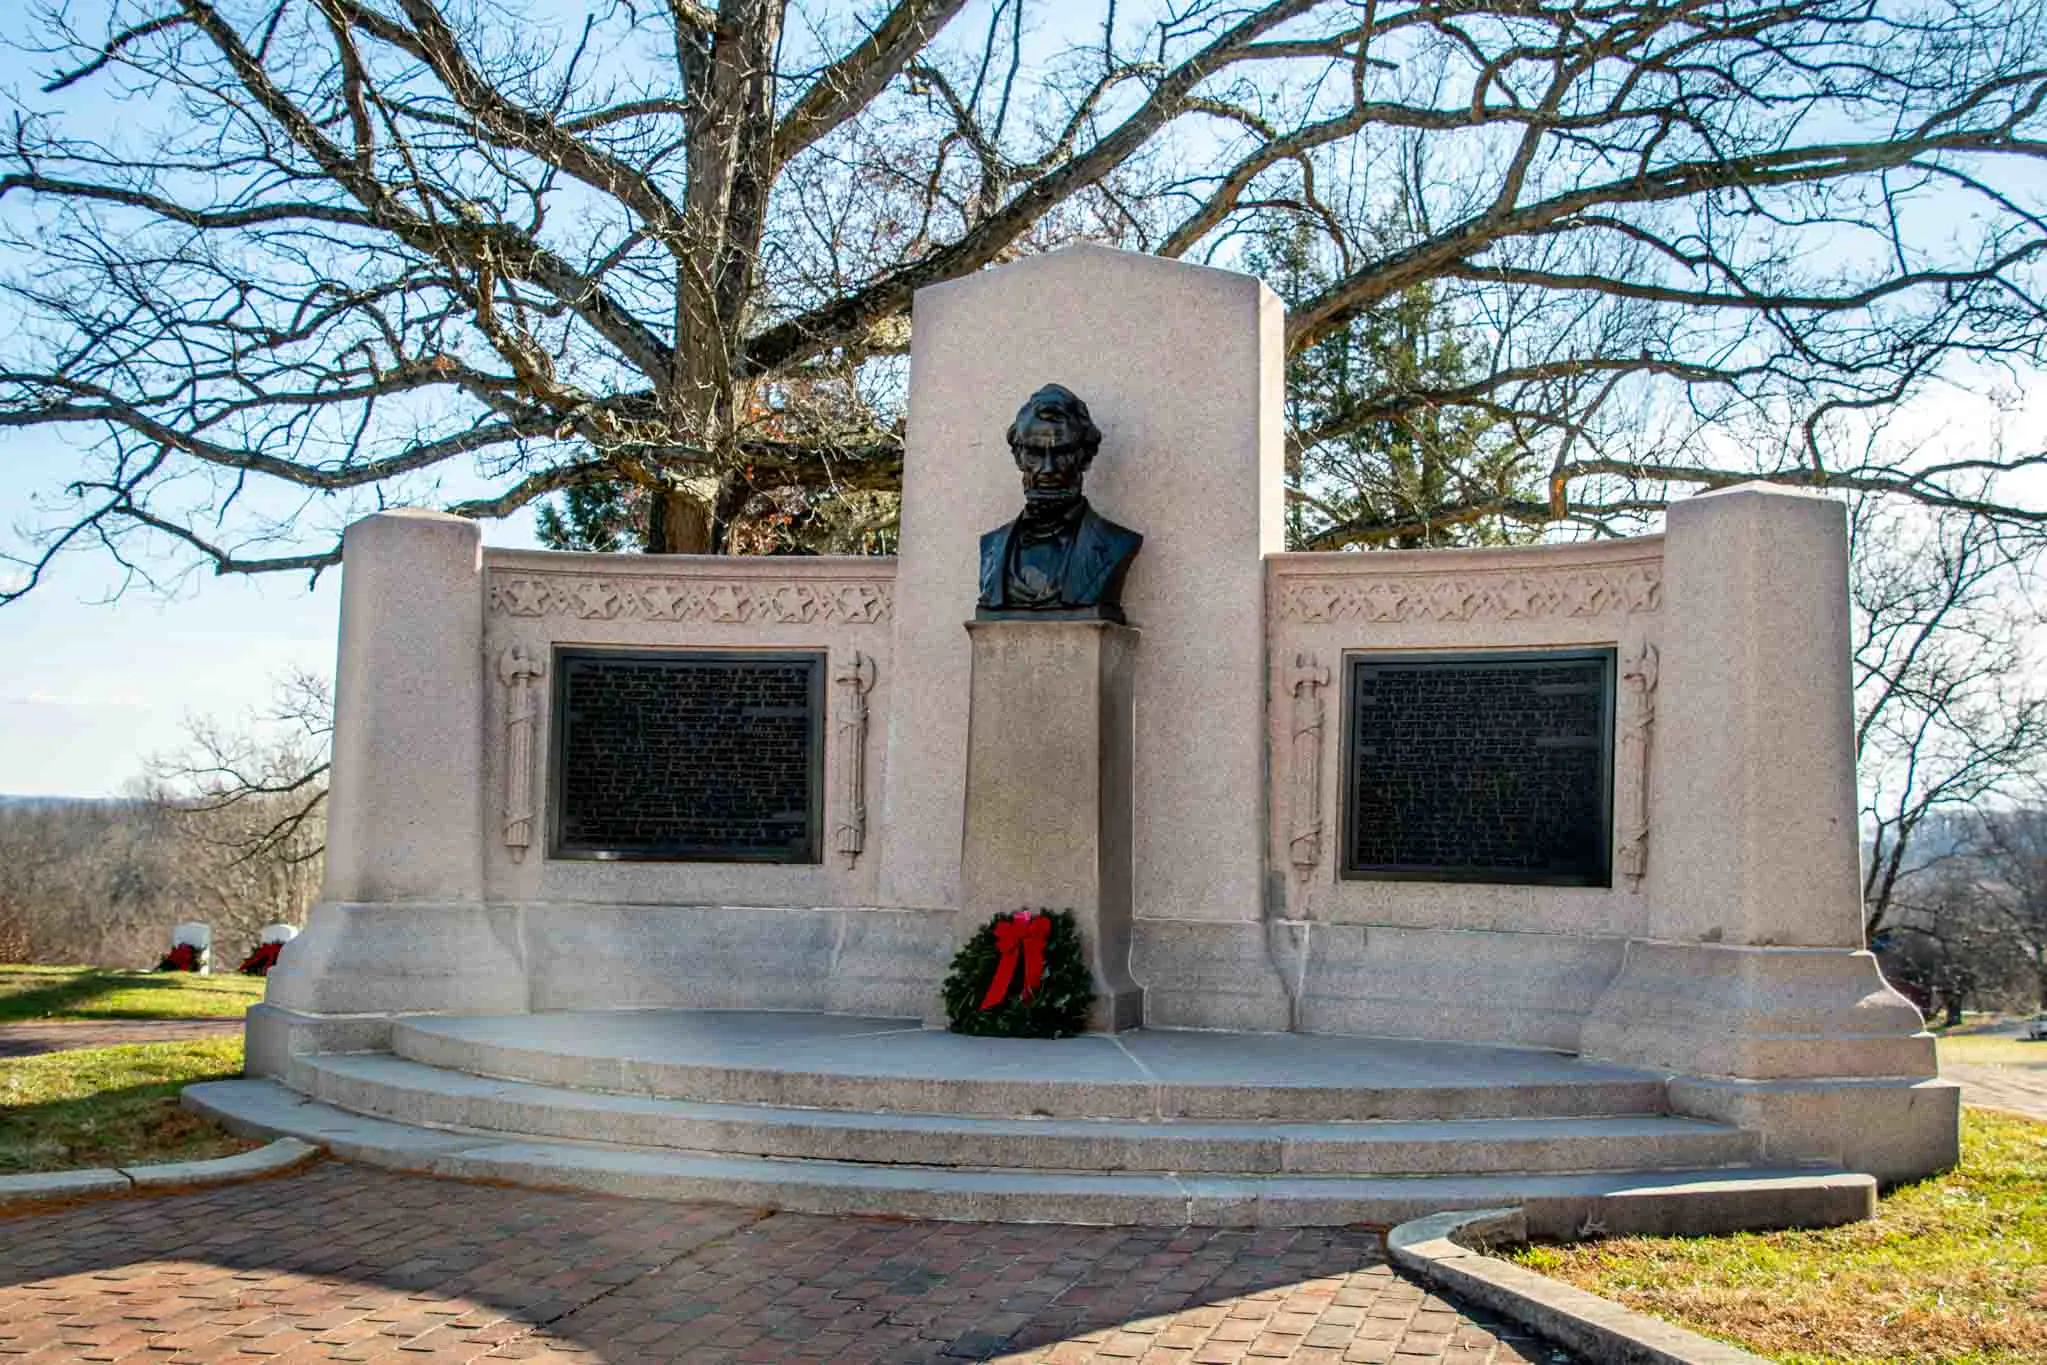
[(677, 524), (733, 492)]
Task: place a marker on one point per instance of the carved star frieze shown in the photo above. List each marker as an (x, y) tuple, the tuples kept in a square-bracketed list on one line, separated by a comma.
[(1471, 596), (726, 603)]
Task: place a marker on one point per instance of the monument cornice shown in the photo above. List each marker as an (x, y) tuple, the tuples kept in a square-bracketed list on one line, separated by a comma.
[(1605, 578), (715, 589)]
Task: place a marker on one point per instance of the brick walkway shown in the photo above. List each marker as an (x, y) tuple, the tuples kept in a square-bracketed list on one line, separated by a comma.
[(345, 1263), (29, 1040)]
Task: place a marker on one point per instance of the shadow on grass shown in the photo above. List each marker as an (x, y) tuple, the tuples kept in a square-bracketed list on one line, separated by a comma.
[(124, 1126), (71, 993), (88, 995)]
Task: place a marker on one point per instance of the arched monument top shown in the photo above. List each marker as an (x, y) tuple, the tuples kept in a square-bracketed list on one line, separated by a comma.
[(1181, 369), (1092, 260)]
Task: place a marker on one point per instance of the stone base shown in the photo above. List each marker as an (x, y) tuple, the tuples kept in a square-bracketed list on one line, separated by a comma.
[(1521, 990), (383, 959), (1445, 985), (272, 1036), (1117, 1010), (380, 960), (1895, 1130), (1758, 1014), (1206, 974), (1050, 790)]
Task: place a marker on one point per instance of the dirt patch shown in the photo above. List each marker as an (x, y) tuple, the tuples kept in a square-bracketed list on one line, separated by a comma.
[(32, 1040)]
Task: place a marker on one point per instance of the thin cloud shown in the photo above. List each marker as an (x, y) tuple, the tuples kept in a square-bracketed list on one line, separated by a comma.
[(78, 702)]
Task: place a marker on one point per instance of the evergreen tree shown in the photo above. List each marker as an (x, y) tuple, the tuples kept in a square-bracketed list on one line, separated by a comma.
[(1363, 439)]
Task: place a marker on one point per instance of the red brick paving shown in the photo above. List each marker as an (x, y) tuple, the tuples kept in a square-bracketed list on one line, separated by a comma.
[(29, 1040), (341, 1263)]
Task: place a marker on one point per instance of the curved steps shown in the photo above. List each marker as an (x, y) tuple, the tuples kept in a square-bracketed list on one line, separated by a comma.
[(836, 1114), (1556, 1205), (409, 1092), (843, 1062)]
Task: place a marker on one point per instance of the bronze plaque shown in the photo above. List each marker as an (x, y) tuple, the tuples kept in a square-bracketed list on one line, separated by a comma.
[(1479, 767), (687, 756)]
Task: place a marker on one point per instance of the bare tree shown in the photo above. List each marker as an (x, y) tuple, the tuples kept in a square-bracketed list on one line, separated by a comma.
[(1947, 944), (229, 832), (270, 261), (270, 775), (2014, 853), (88, 881), (248, 806), (1949, 714)]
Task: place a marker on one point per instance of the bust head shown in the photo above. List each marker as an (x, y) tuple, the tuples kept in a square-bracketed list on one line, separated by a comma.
[(1060, 558), (1053, 441)]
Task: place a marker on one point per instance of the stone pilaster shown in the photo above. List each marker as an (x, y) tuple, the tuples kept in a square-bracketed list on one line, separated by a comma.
[(1752, 971), (405, 817), (1049, 790), (402, 925)]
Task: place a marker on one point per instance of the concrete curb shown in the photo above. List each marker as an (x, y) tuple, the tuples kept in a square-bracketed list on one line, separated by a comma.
[(1445, 1250), (45, 1186)]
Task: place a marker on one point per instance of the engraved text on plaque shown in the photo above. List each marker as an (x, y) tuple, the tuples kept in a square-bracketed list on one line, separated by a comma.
[(688, 756), (1479, 767)]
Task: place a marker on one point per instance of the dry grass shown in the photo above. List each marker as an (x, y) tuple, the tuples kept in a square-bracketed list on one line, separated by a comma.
[(1993, 1049), (50, 993), (111, 1106), (1952, 1269)]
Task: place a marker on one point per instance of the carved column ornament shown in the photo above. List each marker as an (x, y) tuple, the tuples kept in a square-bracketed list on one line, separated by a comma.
[(519, 670), (1638, 724), (1305, 680), (855, 680)]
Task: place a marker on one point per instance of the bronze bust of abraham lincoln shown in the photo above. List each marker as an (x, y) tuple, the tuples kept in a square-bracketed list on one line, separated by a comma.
[(1058, 559)]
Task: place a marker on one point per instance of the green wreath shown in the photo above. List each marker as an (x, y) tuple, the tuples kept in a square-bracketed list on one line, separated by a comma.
[(1056, 1009)]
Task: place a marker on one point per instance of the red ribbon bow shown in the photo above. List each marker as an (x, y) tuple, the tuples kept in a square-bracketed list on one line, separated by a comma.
[(1023, 932)]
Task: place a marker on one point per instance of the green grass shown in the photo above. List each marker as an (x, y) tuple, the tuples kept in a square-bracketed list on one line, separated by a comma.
[(1952, 1269), (111, 1106), (59, 993)]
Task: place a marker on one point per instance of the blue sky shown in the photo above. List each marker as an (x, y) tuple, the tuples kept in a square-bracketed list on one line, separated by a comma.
[(94, 679)]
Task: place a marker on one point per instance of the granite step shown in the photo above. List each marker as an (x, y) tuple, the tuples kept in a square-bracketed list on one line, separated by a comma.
[(397, 1088), (868, 1065), (1557, 1205)]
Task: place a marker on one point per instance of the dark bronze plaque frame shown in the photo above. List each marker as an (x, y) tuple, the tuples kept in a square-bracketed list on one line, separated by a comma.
[(810, 851), (1356, 663)]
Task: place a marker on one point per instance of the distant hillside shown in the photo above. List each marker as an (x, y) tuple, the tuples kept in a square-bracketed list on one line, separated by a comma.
[(103, 879)]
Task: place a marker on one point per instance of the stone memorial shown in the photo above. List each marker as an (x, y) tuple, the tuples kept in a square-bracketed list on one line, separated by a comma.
[(1369, 854), (1052, 707)]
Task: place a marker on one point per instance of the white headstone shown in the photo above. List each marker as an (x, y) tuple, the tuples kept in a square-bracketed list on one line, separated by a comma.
[(200, 936), (277, 933)]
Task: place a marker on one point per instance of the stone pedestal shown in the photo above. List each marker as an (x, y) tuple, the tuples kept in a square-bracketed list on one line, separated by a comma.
[(1751, 978), (402, 925), (1049, 790), (405, 813)]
